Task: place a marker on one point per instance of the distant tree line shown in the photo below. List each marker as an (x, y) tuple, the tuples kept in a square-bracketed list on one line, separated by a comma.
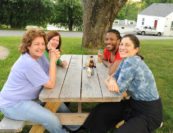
[(67, 13), (149, 2), (19, 13), (131, 9)]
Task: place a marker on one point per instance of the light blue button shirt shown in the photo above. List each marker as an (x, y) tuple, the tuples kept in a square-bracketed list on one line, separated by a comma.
[(135, 77)]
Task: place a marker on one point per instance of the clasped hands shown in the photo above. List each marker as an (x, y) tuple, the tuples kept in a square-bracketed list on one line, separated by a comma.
[(54, 54)]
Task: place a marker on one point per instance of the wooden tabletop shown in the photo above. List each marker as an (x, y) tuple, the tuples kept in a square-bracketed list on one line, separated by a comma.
[(73, 84)]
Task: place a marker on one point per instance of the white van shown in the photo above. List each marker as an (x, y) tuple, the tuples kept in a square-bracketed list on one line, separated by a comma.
[(147, 30)]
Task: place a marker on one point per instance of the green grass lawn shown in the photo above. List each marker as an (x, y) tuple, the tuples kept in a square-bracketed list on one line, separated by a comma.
[(158, 55)]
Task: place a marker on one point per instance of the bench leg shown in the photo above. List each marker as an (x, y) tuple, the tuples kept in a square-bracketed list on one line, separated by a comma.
[(79, 107), (53, 106), (37, 129)]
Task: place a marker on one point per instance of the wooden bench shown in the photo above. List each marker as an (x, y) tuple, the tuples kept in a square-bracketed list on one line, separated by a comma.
[(14, 126), (119, 124)]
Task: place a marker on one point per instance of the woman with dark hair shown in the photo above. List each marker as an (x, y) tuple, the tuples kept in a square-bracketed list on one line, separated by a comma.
[(55, 41), (143, 111)]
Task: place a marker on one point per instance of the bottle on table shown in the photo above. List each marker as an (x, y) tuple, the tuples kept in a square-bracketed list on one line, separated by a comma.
[(90, 66)]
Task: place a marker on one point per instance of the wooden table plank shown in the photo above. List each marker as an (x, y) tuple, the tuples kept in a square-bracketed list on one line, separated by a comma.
[(72, 118), (76, 87), (61, 73), (102, 75), (90, 85), (72, 84)]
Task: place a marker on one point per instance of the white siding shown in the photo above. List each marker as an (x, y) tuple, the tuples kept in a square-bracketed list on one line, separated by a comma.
[(167, 27), (139, 21), (149, 21)]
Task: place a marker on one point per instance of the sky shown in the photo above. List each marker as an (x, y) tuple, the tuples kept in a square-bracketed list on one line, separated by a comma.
[(135, 0)]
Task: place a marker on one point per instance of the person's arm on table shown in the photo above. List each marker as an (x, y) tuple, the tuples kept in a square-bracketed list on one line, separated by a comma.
[(113, 67), (54, 56), (106, 63), (112, 86)]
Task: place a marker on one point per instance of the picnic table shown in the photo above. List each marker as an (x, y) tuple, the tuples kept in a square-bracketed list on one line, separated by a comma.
[(73, 85)]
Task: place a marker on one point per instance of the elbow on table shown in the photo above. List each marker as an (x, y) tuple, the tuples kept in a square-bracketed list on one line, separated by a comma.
[(49, 85)]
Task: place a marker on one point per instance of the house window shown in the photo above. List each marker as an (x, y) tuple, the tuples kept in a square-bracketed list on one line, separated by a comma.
[(172, 25), (143, 19)]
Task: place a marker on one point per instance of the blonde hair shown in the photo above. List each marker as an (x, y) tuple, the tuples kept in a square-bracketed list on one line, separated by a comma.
[(29, 36)]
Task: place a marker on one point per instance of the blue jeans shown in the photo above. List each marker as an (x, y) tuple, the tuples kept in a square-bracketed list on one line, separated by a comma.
[(34, 112)]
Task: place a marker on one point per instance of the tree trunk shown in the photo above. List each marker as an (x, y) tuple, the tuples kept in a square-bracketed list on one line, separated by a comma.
[(70, 18), (97, 19), (70, 22)]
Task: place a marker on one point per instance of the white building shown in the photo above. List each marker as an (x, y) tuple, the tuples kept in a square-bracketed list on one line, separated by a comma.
[(56, 27), (158, 16), (124, 22)]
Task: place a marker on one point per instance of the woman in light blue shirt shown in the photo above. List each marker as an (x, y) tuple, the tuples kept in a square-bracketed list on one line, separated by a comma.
[(29, 74), (143, 111)]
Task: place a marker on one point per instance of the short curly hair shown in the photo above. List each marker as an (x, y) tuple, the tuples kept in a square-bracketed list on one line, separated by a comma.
[(29, 36)]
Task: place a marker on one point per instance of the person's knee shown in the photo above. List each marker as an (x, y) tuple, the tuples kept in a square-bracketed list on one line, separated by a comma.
[(52, 121), (134, 125), (63, 108)]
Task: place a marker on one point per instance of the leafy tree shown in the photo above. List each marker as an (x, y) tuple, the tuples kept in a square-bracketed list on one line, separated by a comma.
[(19, 13), (97, 19), (68, 13), (129, 11), (149, 2)]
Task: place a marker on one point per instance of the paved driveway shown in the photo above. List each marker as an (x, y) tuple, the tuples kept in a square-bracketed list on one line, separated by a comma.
[(20, 33), (79, 34)]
